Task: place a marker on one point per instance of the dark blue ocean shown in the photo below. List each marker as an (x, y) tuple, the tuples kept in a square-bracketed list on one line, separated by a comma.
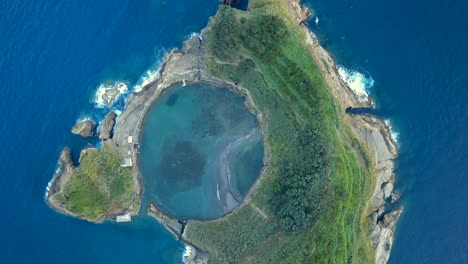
[(417, 54), (54, 55)]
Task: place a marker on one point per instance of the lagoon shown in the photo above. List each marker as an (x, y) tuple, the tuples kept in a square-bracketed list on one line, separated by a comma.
[(201, 151)]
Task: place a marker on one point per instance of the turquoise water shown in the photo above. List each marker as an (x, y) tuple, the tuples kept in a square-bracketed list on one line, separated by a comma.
[(201, 151)]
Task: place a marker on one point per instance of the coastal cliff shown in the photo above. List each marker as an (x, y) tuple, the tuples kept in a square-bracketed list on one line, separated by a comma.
[(376, 136)]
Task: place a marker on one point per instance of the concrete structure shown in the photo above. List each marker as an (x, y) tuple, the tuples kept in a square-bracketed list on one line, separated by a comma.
[(127, 162), (123, 218)]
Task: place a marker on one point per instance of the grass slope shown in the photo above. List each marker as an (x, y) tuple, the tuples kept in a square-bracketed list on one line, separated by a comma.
[(310, 204), (99, 186)]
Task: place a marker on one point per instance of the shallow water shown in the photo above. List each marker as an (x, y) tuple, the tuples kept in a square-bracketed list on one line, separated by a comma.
[(194, 144)]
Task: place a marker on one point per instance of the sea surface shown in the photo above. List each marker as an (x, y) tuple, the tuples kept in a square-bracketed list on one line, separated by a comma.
[(410, 56), (53, 57)]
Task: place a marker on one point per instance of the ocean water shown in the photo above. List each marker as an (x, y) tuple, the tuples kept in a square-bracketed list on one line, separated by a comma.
[(53, 57), (192, 142), (416, 53)]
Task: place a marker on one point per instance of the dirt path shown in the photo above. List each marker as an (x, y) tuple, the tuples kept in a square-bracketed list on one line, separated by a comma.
[(262, 213)]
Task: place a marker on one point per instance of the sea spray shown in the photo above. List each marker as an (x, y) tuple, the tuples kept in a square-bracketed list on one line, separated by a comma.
[(51, 181), (394, 134), (358, 82), (195, 34), (148, 77), (188, 254), (151, 74), (107, 94)]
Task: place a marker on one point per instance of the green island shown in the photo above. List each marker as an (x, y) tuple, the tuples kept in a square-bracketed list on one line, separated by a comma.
[(327, 177), (310, 204)]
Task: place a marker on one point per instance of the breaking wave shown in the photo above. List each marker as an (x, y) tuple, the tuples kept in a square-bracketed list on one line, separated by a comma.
[(358, 82), (394, 134), (188, 254), (195, 34), (150, 75), (107, 94)]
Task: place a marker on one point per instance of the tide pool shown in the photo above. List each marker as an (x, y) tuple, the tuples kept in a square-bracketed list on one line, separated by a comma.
[(201, 151)]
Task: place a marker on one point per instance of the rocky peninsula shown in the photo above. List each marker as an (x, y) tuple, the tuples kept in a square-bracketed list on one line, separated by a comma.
[(368, 145)]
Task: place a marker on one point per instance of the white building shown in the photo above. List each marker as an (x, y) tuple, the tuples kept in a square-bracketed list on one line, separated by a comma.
[(127, 162), (123, 218)]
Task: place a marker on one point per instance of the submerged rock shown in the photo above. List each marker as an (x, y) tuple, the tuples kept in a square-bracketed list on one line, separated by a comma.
[(107, 126), (84, 128)]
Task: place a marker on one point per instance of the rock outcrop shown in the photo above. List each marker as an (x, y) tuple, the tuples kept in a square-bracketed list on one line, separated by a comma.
[(84, 128), (171, 224), (107, 95), (60, 179), (107, 126)]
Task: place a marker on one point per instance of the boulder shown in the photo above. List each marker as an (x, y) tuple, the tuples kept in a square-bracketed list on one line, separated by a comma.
[(84, 128), (107, 126)]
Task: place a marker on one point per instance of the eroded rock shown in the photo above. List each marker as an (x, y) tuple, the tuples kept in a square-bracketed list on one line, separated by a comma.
[(61, 178), (84, 128), (107, 126)]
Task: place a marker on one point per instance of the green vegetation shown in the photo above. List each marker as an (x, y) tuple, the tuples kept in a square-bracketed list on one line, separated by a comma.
[(310, 204), (99, 185)]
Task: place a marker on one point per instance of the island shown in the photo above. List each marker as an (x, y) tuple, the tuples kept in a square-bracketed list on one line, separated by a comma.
[(326, 186)]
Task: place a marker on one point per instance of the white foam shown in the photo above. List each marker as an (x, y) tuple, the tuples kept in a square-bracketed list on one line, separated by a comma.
[(188, 254), (101, 100), (394, 134), (84, 118), (358, 82), (49, 184), (195, 34), (148, 77), (152, 74)]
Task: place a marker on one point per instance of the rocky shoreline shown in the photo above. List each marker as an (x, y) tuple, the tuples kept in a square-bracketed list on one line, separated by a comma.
[(371, 131)]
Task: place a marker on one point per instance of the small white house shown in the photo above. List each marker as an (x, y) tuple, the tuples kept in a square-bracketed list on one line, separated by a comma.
[(127, 162), (130, 139), (123, 218)]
